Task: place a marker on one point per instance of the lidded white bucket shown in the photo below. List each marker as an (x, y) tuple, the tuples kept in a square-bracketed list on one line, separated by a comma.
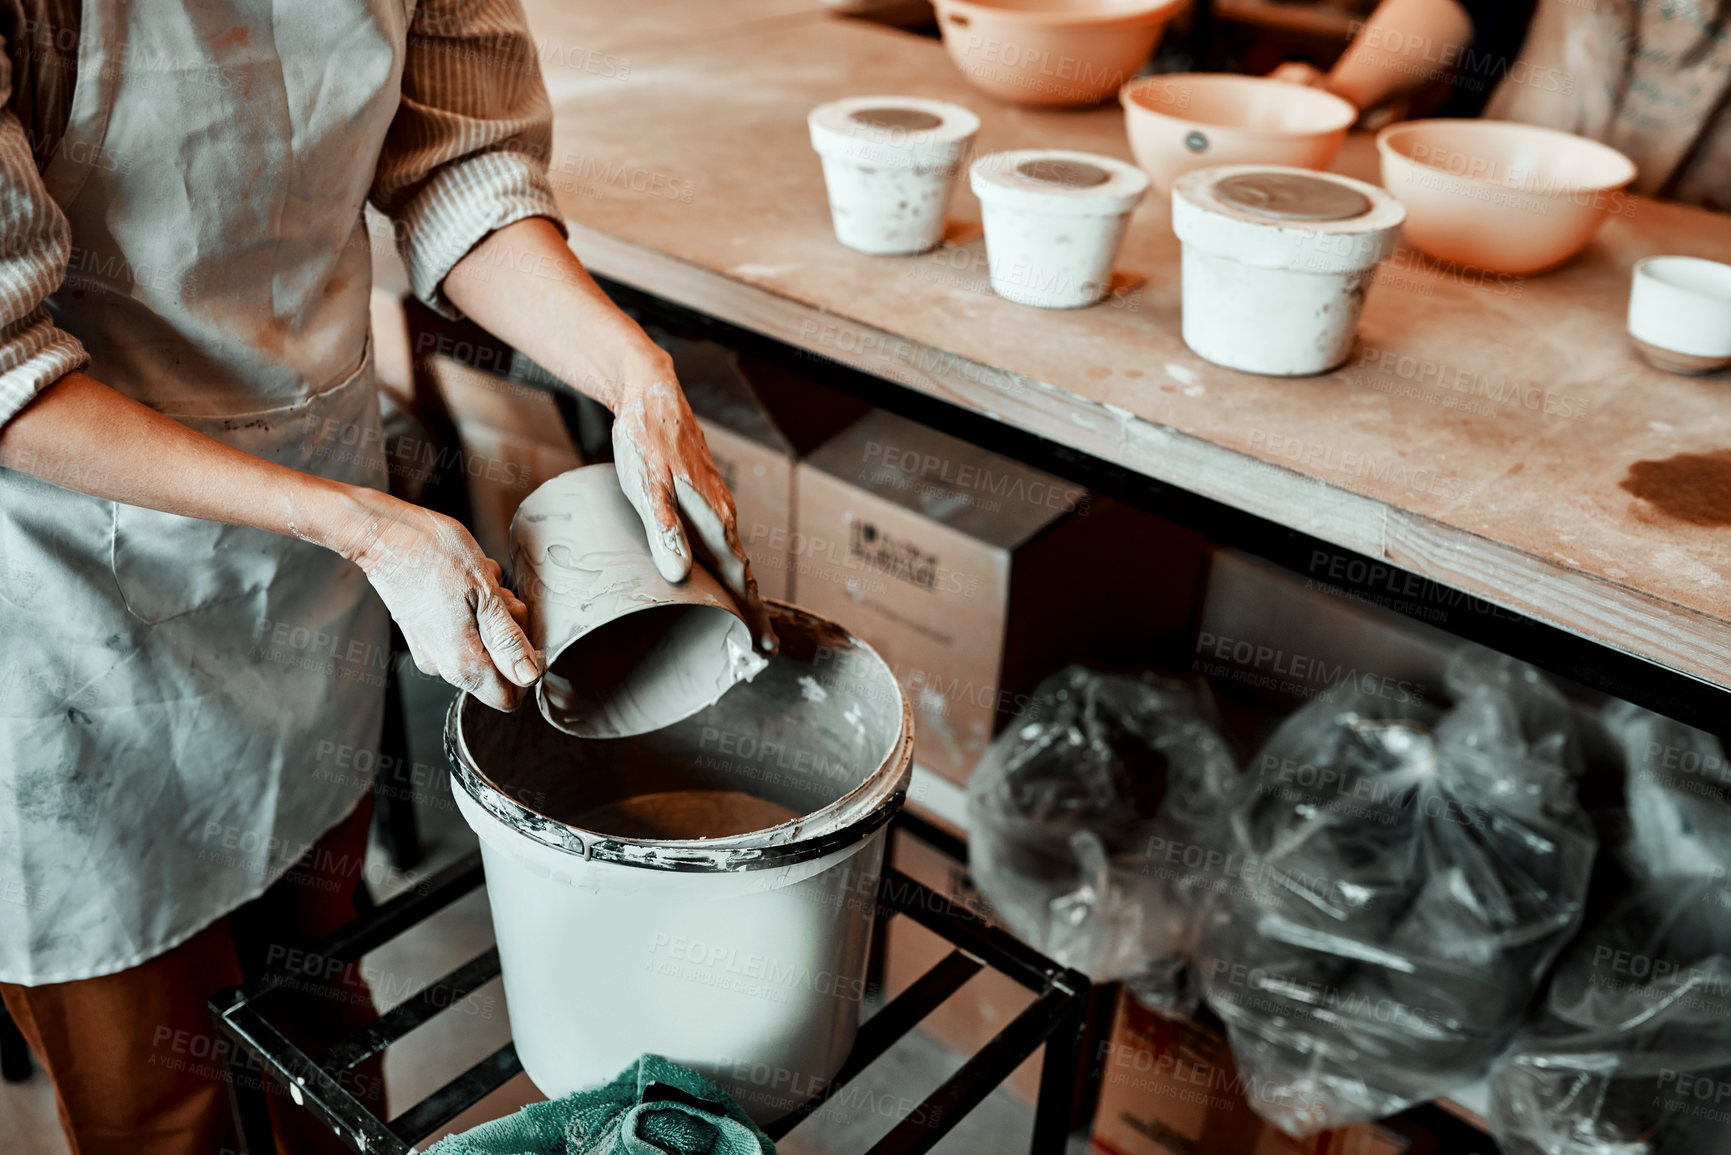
[(742, 956), (889, 164), (1054, 220), (1277, 262)]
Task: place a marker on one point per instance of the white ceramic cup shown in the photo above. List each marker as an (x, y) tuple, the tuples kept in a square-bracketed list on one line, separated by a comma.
[(889, 164), (1680, 313)]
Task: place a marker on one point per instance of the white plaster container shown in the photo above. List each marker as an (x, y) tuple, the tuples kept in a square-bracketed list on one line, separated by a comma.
[(1276, 264), (626, 650), (890, 163), (1054, 220), (743, 956)]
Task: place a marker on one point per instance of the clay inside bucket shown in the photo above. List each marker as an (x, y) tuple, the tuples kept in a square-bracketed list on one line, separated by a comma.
[(821, 720), (631, 674)]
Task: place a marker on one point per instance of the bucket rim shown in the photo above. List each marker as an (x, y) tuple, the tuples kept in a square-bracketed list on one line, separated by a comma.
[(874, 801)]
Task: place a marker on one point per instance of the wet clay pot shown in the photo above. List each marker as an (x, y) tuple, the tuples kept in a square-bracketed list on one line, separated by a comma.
[(626, 650)]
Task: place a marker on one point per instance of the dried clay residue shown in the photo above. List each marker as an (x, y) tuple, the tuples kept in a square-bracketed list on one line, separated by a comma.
[(1692, 487)]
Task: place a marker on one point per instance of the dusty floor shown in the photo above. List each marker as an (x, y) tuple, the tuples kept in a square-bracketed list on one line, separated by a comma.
[(452, 1041)]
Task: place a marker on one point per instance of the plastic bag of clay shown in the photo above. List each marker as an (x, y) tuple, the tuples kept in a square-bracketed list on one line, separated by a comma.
[(1678, 793), (1631, 1052), (1406, 873), (1081, 817)]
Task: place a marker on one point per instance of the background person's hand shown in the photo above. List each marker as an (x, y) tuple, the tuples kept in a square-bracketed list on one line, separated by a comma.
[(1299, 72), (671, 481), (461, 623)]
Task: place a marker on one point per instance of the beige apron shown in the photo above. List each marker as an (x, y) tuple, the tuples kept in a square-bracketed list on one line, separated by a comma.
[(183, 703), (1647, 77)]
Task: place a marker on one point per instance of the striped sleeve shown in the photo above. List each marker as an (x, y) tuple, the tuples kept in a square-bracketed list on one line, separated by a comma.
[(35, 243), (467, 151)]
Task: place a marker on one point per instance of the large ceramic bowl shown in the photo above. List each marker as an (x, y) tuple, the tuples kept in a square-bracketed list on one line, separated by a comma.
[(1051, 51), (1503, 197), (1187, 121)]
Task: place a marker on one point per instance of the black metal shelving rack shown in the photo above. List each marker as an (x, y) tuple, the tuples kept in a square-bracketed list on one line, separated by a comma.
[(263, 1061)]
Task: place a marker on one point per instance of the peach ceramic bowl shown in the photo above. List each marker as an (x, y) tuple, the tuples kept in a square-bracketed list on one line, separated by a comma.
[(1051, 52), (1499, 196), (1193, 120)]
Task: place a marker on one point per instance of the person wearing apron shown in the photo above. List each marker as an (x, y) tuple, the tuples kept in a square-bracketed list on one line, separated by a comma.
[(1650, 78), (198, 563)]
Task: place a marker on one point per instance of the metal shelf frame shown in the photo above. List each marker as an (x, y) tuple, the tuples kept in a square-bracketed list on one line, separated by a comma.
[(264, 1062)]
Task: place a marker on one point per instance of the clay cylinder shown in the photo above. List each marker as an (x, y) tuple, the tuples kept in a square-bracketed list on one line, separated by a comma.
[(1276, 264), (889, 163), (1053, 220), (626, 650)]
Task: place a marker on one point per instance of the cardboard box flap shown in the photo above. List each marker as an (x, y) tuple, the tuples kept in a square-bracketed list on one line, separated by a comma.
[(972, 490), (719, 392)]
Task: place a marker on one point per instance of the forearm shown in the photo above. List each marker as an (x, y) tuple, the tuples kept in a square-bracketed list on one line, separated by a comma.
[(82, 435), (1404, 45), (525, 286)]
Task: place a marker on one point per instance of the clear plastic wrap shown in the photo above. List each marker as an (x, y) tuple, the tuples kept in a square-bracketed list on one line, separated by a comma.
[(1408, 875), (1678, 783), (1081, 815), (1631, 1052)]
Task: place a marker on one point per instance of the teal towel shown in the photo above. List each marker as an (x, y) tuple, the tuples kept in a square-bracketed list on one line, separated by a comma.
[(653, 1107)]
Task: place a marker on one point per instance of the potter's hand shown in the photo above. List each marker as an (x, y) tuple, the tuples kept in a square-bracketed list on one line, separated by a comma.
[(671, 481), (460, 622), (529, 289)]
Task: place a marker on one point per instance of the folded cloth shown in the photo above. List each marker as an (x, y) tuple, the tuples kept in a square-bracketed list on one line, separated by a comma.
[(652, 1107)]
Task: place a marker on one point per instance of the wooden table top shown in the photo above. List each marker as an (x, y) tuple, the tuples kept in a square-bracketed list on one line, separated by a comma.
[(1482, 434)]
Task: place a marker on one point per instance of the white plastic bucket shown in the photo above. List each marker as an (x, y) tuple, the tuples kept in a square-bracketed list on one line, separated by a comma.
[(1053, 221), (889, 164), (742, 957)]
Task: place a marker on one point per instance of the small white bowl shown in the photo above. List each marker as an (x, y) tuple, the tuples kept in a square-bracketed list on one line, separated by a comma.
[(1680, 313)]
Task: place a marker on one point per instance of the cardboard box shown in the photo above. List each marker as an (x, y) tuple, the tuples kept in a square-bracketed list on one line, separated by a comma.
[(1169, 1087), (975, 576)]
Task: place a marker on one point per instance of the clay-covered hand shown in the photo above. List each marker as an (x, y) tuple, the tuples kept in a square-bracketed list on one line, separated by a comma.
[(671, 481), (460, 622)]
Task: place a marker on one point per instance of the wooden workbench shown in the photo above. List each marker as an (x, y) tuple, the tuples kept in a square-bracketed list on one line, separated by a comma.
[(689, 175)]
